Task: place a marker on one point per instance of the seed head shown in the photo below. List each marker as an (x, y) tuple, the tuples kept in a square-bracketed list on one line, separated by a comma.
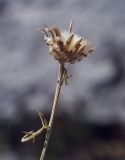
[(66, 46)]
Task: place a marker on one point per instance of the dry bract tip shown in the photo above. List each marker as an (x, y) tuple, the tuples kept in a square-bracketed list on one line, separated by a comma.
[(66, 46)]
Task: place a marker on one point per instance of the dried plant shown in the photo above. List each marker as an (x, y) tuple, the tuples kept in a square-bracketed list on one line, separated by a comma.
[(65, 47)]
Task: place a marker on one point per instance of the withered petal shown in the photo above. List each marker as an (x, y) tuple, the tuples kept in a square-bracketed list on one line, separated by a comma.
[(78, 45), (52, 32), (60, 44), (82, 48), (69, 40), (57, 32), (45, 32)]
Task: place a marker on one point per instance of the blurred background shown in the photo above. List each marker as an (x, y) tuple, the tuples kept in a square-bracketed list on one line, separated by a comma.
[(90, 119)]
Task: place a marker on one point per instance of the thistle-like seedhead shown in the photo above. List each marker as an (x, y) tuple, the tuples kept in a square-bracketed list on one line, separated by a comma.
[(66, 46)]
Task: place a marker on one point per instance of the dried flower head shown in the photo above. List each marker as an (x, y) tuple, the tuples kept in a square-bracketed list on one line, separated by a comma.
[(66, 46)]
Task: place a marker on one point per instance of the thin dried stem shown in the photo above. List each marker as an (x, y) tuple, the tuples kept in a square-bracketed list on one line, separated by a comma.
[(61, 78)]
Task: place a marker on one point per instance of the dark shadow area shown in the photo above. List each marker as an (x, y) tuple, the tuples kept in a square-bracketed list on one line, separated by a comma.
[(71, 139)]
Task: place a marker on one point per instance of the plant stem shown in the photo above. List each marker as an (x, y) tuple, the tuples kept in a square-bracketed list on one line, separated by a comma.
[(60, 79)]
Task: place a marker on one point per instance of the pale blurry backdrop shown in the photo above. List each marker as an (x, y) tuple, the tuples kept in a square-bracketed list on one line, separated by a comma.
[(90, 120)]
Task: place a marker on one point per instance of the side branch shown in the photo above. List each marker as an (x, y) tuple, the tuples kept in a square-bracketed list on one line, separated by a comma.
[(31, 135)]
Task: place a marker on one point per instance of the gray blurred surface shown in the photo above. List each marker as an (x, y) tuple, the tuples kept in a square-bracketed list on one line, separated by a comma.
[(25, 63)]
